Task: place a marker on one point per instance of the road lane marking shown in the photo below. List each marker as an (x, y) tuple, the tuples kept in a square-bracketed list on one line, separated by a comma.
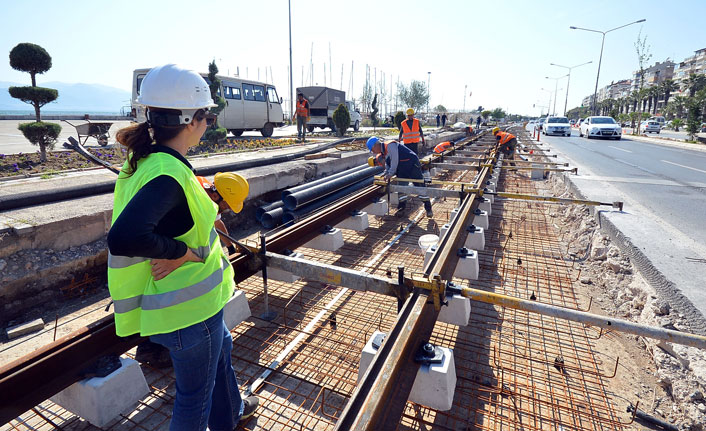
[(620, 149), (684, 166), (636, 166)]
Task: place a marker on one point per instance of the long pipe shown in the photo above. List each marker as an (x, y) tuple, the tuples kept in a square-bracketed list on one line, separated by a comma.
[(272, 218), (262, 210), (300, 198), (22, 200), (296, 214), (305, 186)]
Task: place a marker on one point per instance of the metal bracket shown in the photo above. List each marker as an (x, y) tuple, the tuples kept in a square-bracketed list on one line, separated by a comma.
[(378, 339), (429, 354)]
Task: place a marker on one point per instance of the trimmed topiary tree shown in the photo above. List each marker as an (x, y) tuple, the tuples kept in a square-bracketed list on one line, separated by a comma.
[(374, 113), (342, 119), (215, 133), (399, 118), (33, 59)]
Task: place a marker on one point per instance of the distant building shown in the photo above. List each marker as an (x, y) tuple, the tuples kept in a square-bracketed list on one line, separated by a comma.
[(695, 64), (615, 90), (654, 75)]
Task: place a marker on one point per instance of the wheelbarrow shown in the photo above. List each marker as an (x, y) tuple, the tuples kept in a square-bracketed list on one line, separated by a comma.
[(99, 131)]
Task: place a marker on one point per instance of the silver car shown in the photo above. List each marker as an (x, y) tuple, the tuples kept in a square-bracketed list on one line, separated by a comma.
[(650, 126)]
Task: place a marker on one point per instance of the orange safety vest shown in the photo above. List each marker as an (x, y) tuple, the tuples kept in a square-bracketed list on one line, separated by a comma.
[(302, 110), (442, 147), (411, 135), (505, 137)]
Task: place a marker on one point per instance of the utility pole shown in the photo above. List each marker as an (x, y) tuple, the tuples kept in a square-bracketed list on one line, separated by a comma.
[(465, 87), (291, 71), (428, 92)]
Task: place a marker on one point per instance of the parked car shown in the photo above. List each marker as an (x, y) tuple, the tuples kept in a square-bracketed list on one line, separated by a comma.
[(600, 127), (650, 126), (531, 125), (578, 122), (659, 119), (557, 126), (703, 127)]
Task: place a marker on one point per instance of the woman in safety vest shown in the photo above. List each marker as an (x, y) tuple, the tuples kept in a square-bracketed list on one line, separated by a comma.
[(167, 273)]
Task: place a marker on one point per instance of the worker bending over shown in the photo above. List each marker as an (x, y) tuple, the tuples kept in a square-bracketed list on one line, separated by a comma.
[(400, 161), (167, 273), (507, 142), (440, 148), (411, 132)]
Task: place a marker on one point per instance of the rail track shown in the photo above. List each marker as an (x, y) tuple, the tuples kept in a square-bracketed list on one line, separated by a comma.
[(507, 359)]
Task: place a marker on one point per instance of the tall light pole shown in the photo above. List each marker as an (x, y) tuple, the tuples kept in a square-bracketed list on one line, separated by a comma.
[(556, 85), (291, 81), (428, 92), (569, 80), (600, 59), (549, 104), (465, 87)]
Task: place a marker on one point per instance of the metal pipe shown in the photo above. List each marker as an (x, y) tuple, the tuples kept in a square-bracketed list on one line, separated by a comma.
[(272, 218), (260, 211), (309, 184), (290, 216), (302, 197)]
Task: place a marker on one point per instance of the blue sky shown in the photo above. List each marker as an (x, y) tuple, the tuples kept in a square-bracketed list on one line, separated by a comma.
[(500, 49)]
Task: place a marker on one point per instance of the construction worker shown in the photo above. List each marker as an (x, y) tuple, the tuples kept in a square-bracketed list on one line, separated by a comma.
[(478, 122), (402, 162), (469, 130), (507, 142), (224, 180), (302, 113), (411, 132), (440, 148), (167, 273)]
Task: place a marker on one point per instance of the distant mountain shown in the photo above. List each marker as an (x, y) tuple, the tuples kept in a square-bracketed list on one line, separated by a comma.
[(72, 97)]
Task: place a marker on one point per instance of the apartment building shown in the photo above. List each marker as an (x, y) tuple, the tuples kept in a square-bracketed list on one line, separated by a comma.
[(654, 75), (695, 64)]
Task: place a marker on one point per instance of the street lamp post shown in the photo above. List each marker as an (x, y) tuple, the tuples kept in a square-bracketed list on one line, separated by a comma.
[(549, 104), (428, 92), (566, 100), (556, 95), (291, 81), (600, 59), (465, 87)]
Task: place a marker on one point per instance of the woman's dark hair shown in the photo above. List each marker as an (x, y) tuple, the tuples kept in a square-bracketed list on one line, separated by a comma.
[(138, 139)]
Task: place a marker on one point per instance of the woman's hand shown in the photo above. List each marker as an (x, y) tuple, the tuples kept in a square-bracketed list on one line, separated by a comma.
[(163, 267)]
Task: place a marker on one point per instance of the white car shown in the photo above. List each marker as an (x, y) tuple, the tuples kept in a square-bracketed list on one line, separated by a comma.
[(600, 127), (650, 126), (557, 126)]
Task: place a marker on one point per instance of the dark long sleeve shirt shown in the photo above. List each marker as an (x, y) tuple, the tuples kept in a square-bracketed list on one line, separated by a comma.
[(152, 219)]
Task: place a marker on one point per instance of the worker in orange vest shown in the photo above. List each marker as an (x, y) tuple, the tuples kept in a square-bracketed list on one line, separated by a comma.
[(302, 113), (469, 130), (443, 147), (411, 132), (507, 142)]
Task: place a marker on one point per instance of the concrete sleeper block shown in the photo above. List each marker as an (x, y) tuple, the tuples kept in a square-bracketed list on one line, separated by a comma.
[(358, 222), (237, 309), (434, 385), (476, 239), (467, 266), (457, 312), (101, 399), (377, 208), (329, 241), (481, 220), (25, 328)]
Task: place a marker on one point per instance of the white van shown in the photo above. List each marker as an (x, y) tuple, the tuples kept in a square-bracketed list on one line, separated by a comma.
[(250, 105)]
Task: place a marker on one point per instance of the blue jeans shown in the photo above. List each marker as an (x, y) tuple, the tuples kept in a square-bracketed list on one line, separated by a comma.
[(206, 389)]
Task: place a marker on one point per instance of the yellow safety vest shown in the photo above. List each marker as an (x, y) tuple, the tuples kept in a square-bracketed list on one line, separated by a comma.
[(411, 135), (191, 293)]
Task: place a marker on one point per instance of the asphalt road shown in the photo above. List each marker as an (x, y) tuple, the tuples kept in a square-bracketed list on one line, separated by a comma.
[(664, 190)]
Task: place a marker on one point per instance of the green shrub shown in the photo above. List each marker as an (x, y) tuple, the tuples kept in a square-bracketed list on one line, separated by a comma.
[(215, 135), (342, 119), (399, 118), (41, 133)]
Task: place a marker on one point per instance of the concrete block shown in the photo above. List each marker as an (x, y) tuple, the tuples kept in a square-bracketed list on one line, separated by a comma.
[(237, 309), (458, 312), (454, 213), (430, 251), (443, 230), (486, 206), (377, 208), (329, 241), (25, 328), (394, 198), (434, 385), (481, 220), (356, 222), (537, 172), (100, 399), (467, 267), (476, 239)]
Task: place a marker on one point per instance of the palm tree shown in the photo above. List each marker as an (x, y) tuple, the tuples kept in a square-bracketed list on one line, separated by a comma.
[(679, 102), (652, 94), (695, 83), (667, 87)]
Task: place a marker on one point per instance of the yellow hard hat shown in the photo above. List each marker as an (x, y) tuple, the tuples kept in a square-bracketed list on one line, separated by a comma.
[(233, 188), (410, 111), (371, 161), (496, 130)]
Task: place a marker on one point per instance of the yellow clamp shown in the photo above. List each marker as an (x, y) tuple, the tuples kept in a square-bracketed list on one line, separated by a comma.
[(435, 285)]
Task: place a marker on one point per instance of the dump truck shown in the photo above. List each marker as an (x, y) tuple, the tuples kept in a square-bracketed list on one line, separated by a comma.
[(322, 102)]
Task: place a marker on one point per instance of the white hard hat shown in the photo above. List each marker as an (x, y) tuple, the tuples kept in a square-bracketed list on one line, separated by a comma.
[(172, 87)]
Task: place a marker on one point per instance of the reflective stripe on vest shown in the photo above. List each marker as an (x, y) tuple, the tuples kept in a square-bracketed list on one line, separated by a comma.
[(505, 137), (411, 135), (302, 110), (192, 292), (442, 147)]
